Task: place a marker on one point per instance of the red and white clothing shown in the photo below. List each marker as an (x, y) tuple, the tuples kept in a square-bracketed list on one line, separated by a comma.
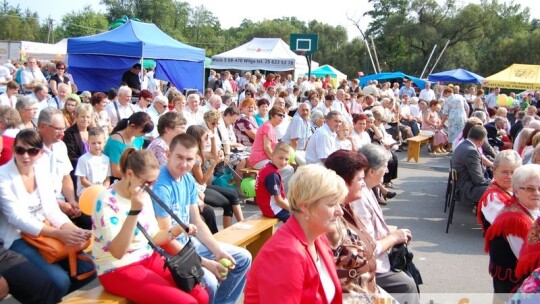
[(299, 277), (267, 185)]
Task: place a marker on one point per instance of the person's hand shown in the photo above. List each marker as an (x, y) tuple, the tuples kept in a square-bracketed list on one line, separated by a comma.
[(137, 199), (192, 230), (67, 209), (226, 255), (215, 268), (402, 236), (73, 237), (4, 288), (76, 209)]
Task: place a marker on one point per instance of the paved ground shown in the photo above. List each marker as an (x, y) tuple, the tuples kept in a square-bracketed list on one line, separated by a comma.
[(449, 263)]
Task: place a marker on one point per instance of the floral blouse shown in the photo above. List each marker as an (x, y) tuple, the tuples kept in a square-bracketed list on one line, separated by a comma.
[(110, 213)]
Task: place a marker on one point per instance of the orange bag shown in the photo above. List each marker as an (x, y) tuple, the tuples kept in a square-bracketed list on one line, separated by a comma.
[(54, 250)]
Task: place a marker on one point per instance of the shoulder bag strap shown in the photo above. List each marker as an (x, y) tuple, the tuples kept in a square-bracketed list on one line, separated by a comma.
[(117, 112), (151, 242), (164, 206)]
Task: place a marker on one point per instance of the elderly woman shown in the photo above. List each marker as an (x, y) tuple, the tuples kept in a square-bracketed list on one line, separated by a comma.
[(179, 103), (27, 201), (10, 120), (528, 267), (145, 98), (263, 105), (245, 128), (360, 135), (317, 120), (454, 114), (100, 118), (399, 284), (352, 245), (69, 109), (505, 237), (127, 266), (301, 251), (27, 109), (432, 122), (380, 136), (499, 194)]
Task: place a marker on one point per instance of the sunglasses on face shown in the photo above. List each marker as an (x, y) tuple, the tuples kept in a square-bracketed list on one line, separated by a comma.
[(31, 151), (147, 183)]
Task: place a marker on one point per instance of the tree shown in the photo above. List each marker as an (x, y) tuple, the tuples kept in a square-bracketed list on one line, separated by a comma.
[(83, 23)]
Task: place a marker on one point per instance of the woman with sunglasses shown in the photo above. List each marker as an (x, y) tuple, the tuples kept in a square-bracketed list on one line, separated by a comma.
[(506, 235), (264, 143), (126, 264), (58, 78), (129, 132), (27, 201)]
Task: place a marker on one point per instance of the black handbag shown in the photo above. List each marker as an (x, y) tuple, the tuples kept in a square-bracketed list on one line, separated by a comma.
[(401, 259), (185, 266)]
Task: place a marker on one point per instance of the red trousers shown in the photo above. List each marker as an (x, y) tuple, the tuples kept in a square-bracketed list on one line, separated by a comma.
[(147, 282)]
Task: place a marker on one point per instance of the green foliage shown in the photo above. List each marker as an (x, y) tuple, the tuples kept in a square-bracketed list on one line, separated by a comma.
[(484, 38), (83, 23)]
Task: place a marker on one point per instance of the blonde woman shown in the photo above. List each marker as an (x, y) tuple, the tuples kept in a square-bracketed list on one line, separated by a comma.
[(299, 248)]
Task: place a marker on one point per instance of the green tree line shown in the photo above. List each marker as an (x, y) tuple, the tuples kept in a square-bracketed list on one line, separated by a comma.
[(483, 38)]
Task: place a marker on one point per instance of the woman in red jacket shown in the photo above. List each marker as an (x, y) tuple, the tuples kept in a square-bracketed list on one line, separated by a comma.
[(296, 265)]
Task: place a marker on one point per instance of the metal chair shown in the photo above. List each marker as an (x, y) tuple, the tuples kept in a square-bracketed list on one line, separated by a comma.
[(451, 199)]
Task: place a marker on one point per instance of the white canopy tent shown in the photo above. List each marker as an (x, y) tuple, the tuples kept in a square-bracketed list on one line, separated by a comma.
[(271, 54), (44, 51)]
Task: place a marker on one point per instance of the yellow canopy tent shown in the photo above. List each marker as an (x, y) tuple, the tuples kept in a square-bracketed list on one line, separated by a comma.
[(516, 76)]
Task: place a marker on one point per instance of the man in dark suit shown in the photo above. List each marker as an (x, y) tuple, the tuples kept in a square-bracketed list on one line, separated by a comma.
[(495, 131), (517, 126), (466, 159)]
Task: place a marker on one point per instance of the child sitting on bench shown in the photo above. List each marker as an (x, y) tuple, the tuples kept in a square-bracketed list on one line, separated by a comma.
[(269, 190)]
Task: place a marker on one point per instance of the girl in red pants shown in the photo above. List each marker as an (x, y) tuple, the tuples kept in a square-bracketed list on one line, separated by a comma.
[(126, 264)]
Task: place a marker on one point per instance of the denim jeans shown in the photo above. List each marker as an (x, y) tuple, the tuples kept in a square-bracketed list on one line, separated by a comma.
[(229, 290), (58, 272)]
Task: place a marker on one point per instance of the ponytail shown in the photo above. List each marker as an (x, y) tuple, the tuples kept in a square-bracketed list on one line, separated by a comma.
[(121, 125), (138, 161)]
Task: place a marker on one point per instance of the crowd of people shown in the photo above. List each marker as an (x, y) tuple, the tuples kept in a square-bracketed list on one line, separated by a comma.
[(326, 154)]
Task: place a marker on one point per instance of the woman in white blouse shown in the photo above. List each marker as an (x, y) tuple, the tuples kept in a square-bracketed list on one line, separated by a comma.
[(28, 199)]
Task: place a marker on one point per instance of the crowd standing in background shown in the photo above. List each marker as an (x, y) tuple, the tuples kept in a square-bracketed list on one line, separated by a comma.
[(58, 141)]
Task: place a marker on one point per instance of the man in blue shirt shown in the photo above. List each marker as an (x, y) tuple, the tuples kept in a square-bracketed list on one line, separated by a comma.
[(407, 89), (176, 187)]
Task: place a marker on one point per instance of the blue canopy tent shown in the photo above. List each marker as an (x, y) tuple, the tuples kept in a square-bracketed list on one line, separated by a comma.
[(390, 76), (457, 75), (97, 62)]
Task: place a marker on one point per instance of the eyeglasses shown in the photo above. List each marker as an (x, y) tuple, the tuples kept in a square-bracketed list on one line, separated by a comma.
[(31, 151), (60, 68), (58, 129), (145, 182), (530, 190)]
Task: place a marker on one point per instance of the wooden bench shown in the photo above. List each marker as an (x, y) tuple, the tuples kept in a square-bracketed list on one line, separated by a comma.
[(95, 295), (249, 172), (251, 233), (414, 146)]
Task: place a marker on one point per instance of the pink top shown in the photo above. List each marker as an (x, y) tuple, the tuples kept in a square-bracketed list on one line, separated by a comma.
[(257, 150)]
